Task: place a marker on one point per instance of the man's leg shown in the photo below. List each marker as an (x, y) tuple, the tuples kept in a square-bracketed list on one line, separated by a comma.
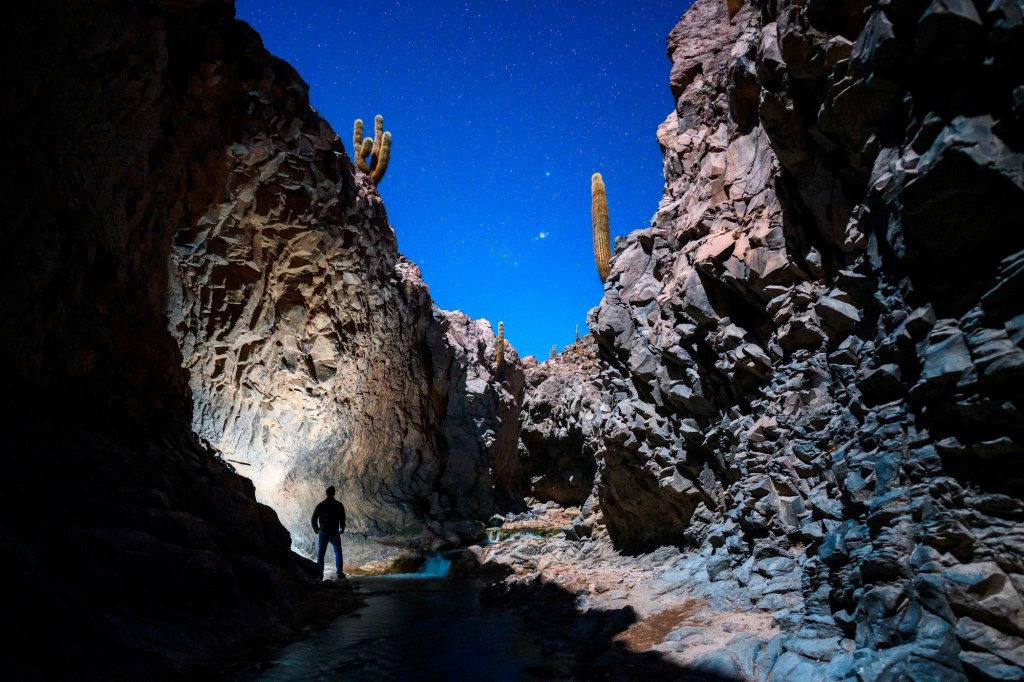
[(336, 542), (320, 553)]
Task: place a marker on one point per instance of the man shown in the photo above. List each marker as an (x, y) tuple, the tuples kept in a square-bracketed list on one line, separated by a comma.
[(329, 523)]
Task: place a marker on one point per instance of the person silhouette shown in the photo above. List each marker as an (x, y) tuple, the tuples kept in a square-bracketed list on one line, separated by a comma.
[(329, 523)]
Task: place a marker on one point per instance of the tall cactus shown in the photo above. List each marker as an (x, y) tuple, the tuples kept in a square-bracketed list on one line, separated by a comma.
[(499, 356), (372, 154), (554, 353), (599, 218)]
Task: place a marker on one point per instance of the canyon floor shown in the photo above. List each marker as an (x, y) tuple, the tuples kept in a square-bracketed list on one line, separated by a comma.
[(601, 613)]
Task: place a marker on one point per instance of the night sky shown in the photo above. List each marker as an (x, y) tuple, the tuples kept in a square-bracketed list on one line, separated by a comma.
[(500, 111)]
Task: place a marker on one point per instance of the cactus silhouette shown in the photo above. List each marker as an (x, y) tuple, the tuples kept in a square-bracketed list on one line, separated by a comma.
[(499, 356), (553, 353), (599, 218), (372, 154)]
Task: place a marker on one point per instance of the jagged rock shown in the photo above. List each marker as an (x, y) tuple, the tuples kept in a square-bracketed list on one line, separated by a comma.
[(829, 350), (317, 358), (558, 425)]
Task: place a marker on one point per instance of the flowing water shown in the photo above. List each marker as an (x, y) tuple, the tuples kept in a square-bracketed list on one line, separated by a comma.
[(421, 626)]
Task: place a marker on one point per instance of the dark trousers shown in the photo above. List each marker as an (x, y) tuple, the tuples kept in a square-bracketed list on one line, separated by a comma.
[(333, 540)]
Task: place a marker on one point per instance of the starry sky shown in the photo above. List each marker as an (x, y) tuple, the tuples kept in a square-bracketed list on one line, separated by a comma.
[(500, 111)]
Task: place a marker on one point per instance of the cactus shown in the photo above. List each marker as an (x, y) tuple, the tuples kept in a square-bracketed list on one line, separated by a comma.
[(499, 356), (553, 353), (599, 217), (382, 158), (577, 333), (357, 140), (363, 153), (372, 154)]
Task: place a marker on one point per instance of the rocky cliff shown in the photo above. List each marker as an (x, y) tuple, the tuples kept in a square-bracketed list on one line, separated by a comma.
[(811, 361), (315, 353), (192, 249), (557, 426), (126, 543)]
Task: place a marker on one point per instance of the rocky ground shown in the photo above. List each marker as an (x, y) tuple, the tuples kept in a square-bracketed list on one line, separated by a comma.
[(651, 622)]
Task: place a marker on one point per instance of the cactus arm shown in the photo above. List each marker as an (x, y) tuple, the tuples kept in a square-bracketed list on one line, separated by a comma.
[(380, 160), (357, 137), (378, 133), (364, 152)]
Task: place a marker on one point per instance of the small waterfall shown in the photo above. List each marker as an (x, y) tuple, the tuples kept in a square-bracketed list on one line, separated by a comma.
[(435, 566)]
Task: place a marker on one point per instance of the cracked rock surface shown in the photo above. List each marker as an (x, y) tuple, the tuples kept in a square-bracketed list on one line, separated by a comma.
[(809, 375), (315, 353)]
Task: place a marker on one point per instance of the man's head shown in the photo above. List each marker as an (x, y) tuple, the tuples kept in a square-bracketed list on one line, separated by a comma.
[(330, 491)]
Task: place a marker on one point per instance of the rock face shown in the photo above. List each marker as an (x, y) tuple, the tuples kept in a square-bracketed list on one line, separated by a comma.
[(127, 545), (558, 426), (316, 355), (173, 200), (812, 358)]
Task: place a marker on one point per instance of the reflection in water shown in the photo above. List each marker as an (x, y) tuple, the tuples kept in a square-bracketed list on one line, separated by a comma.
[(411, 629)]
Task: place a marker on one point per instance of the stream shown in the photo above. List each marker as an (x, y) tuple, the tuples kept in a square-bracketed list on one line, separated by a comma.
[(422, 626)]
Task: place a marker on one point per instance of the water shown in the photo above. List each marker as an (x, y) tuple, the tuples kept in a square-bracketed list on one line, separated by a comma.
[(413, 628), (436, 566)]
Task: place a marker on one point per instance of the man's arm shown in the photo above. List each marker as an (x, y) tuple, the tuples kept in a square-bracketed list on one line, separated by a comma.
[(315, 521), (342, 520)]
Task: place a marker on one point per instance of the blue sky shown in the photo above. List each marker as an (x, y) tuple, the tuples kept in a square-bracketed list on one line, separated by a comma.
[(499, 113)]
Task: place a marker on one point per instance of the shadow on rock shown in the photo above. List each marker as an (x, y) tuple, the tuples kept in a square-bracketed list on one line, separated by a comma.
[(582, 644)]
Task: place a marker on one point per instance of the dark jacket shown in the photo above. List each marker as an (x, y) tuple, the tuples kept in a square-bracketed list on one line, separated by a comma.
[(329, 516)]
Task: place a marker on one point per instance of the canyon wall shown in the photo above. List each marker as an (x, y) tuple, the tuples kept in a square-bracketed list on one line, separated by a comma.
[(127, 545), (557, 426), (811, 362), (315, 353), (192, 249)]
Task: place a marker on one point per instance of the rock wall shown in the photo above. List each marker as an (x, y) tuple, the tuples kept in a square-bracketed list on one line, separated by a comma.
[(557, 421), (315, 353), (129, 549), (813, 356), (192, 248)]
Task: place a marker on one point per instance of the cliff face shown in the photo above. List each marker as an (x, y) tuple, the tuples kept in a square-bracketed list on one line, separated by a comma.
[(813, 356), (315, 353), (557, 422), (171, 199), (116, 521)]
